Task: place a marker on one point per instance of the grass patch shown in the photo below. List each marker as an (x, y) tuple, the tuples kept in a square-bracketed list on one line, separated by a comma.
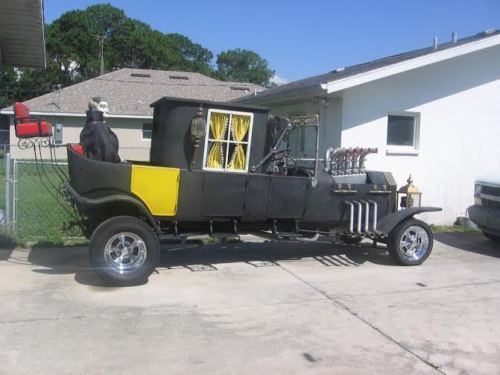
[(42, 213), (452, 229)]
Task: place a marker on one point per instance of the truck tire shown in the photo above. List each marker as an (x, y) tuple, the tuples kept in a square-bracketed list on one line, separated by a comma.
[(492, 237), (124, 251), (410, 242)]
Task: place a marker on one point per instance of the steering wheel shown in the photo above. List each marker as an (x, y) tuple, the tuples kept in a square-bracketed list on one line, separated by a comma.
[(281, 154)]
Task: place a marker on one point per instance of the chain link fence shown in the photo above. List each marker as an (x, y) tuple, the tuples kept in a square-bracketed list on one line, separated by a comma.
[(2, 187), (32, 208), (40, 211)]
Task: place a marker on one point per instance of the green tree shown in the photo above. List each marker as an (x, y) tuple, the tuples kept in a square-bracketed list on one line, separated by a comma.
[(73, 54), (74, 39), (242, 65), (193, 56), (8, 85)]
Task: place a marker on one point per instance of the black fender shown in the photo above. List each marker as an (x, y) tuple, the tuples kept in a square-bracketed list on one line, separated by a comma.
[(89, 204), (388, 223)]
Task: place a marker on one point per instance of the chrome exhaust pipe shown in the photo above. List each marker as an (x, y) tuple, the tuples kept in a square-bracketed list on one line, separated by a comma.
[(374, 224), (351, 216), (367, 218), (358, 217), (375, 209)]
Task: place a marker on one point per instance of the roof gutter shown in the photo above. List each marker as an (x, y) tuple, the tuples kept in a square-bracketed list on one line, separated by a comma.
[(283, 97), (72, 114), (405, 66)]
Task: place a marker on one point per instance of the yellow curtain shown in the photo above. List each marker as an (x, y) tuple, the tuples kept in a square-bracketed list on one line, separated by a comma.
[(240, 127), (218, 127)]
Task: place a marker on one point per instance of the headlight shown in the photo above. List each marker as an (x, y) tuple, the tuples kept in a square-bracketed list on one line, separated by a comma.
[(477, 190)]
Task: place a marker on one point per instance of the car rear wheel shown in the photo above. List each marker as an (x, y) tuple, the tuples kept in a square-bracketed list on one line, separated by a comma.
[(410, 243), (492, 237), (124, 250)]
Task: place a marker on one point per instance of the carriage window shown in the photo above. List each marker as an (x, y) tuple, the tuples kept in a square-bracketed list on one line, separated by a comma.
[(227, 145)]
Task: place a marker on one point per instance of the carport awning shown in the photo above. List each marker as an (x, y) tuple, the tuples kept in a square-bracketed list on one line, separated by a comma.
[(21, 33)]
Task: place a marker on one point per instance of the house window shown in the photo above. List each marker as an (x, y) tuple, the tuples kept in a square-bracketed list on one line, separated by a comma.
[(147, 132), (227, 145), (403, 130)]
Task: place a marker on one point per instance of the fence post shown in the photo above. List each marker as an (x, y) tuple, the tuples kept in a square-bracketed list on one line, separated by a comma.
[(15, 183), (7, 191)]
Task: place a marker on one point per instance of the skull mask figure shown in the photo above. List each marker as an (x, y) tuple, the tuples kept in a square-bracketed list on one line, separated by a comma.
[(100, 104)]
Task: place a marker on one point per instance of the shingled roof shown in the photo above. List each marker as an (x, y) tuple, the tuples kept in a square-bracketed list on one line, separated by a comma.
[(130, 92), (315, 82)]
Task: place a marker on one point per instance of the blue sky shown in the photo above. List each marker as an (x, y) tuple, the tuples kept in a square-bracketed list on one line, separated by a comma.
[(304, 38)]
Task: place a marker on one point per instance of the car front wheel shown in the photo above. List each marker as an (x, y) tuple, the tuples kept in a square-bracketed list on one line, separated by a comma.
[(124, 251), (410, 243)]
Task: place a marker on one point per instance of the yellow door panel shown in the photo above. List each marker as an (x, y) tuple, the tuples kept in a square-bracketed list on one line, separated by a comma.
[(158, 188)]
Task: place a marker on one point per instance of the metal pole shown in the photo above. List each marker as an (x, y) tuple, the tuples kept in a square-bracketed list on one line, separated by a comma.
[(14, 196), (7, 190), (317, 147)]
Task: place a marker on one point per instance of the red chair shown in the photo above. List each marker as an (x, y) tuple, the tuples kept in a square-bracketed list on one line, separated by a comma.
[(29, 126)]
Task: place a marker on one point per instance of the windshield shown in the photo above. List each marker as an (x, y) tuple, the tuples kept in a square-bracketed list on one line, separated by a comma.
[(302, 141), (296, 148)]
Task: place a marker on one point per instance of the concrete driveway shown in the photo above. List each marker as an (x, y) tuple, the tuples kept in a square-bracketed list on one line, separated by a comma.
[(256, 309)]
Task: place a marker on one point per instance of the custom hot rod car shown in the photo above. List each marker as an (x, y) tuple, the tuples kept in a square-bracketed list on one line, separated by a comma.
[(226, 168)]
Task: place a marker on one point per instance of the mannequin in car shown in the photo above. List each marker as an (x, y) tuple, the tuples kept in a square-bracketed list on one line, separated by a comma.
[(99, 141)]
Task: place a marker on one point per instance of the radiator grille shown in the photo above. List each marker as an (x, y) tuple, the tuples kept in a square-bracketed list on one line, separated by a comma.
[(490, 190)]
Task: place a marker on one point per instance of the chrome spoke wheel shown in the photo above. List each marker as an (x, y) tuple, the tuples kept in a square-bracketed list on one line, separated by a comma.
[(414, 243), (125, 252)]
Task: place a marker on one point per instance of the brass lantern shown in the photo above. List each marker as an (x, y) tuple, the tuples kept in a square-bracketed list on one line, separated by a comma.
[(409, 195), (197, 129), (198, 125)]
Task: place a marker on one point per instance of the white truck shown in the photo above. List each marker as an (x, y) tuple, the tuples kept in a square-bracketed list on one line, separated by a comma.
[(485, 212)]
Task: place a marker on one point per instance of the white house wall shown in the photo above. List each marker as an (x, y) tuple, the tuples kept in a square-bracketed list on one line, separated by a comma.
[(458, 102), (128, 131)]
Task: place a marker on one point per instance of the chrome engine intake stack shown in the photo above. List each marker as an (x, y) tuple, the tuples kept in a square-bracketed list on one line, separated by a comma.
[(346, 161)]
